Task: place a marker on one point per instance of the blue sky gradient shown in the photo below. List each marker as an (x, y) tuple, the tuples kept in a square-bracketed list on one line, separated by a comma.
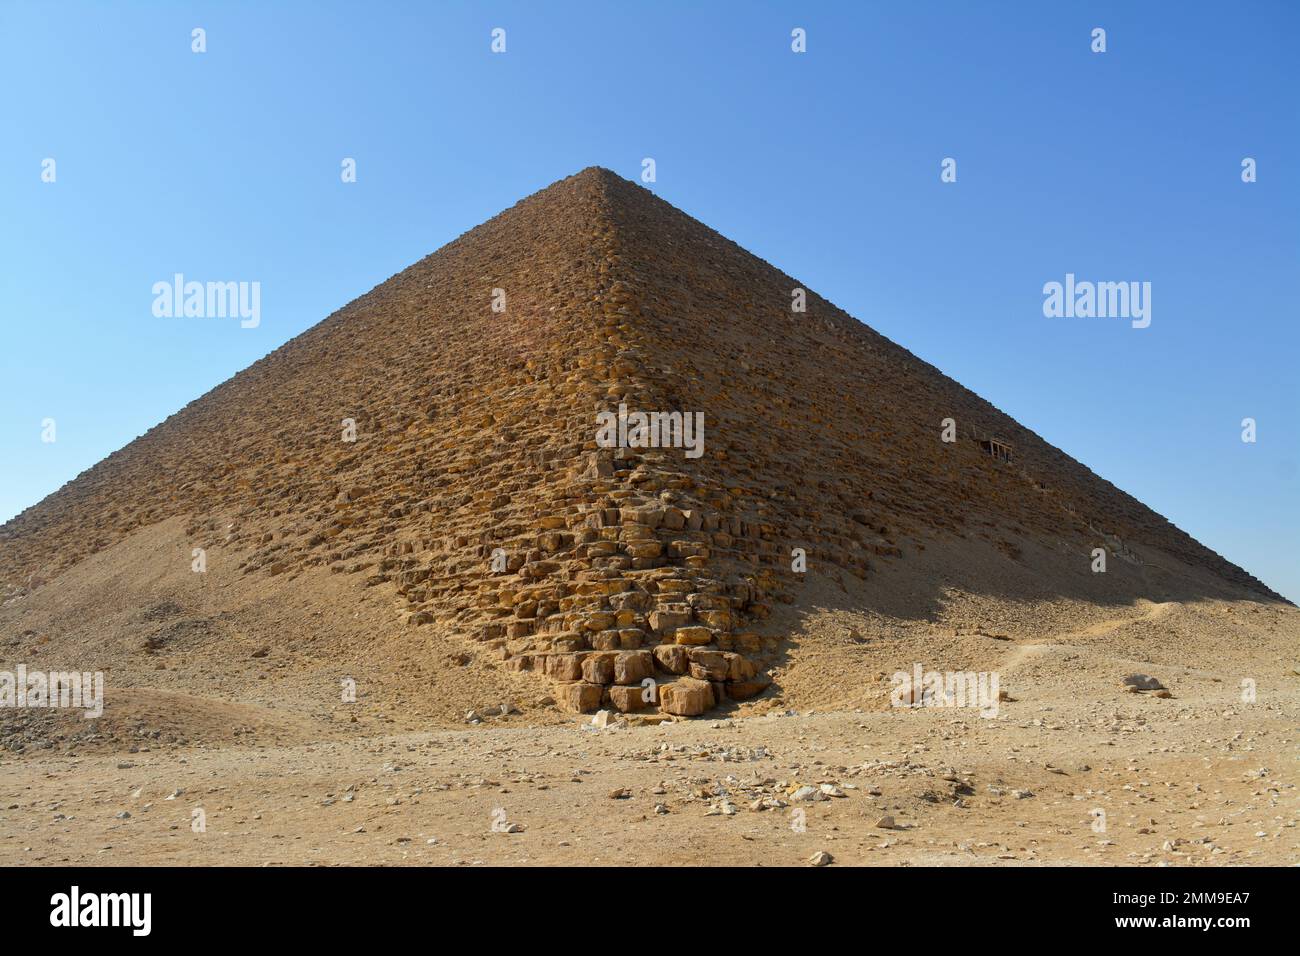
[(1117, 166)]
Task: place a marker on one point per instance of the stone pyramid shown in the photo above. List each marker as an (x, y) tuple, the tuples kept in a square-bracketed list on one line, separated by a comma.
[(440, 436)]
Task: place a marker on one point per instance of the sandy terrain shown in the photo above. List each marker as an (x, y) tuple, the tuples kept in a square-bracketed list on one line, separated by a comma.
[(239, 713)]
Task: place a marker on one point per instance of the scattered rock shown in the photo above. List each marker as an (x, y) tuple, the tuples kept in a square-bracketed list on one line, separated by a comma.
[(810, 794), (1142, 682)]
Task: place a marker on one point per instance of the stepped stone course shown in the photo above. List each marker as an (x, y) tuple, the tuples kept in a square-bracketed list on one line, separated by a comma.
[(477, 492)]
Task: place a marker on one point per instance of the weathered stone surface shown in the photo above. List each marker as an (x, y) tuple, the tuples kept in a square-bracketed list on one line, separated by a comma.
[(627, 699), (598, 668), (564, 667), (672, 658), (605, 640), (693, 635), (709, 665), (580, 697), (665, 621), (745, 689), (718, 620), (599, 621), (739, 667), (686, 697), (568, 642), (631, 667)]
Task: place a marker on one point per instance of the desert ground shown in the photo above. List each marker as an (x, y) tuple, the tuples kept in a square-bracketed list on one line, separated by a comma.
[(239, 713)]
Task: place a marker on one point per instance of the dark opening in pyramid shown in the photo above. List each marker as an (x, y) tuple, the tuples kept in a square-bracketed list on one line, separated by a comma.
[(477, 489)]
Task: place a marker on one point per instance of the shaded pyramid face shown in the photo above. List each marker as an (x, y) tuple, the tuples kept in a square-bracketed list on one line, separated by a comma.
[(455, 435)]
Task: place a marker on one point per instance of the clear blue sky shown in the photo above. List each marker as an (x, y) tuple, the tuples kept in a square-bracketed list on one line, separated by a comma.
[(1116, 166)]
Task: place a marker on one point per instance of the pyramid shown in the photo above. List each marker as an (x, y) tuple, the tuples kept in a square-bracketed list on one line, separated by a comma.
[(441, 437)]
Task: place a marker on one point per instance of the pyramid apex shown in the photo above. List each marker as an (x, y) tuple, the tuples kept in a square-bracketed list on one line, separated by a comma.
[(601, 171), (598, 177), (601, 175)]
